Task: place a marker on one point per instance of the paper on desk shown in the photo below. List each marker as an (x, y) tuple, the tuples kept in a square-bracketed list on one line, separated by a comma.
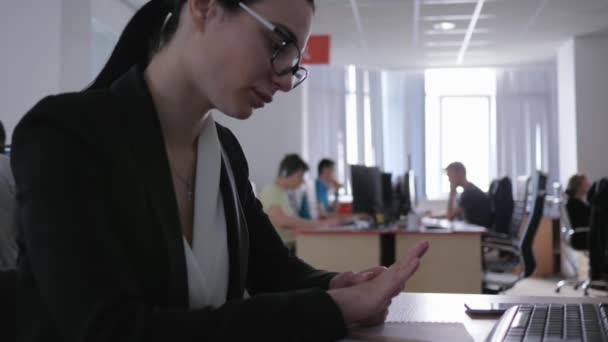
[(413, 332), (402, 326)]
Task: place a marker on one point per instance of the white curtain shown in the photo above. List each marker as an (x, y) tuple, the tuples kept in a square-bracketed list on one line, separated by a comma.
[(396, 102), (403, 119), (325, 135), (526, 121)]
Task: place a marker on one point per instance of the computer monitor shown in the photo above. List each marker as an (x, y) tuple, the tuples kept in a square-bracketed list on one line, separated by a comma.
[(387, 191), (367, 189), (411, 181), (406, 193)]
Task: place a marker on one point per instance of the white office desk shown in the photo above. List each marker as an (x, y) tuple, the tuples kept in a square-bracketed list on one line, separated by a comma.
[(425, 307)]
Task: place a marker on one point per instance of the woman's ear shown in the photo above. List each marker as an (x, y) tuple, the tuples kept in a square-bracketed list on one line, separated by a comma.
[(201, 11)]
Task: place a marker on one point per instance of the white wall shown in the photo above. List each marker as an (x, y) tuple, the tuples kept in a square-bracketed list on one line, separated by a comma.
[(30, 32), (591, 62), (269, 134), (583, 106), (568, 163), (45, 50)]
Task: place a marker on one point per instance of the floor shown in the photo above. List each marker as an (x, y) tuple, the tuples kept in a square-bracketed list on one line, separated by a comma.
[(546, 287)]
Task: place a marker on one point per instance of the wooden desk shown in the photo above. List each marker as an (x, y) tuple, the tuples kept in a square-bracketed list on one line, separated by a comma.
[(339, 250), (424, 307), (543, 247), (452, 265)]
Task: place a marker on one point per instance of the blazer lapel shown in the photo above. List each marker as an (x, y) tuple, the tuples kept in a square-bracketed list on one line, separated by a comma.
[(238, 238), (148, 149)]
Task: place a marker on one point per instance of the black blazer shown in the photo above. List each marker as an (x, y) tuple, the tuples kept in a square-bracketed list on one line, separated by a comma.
[(101, 250), (579, 212)]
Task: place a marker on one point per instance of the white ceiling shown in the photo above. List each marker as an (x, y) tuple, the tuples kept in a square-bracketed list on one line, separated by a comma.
[(399, 33)]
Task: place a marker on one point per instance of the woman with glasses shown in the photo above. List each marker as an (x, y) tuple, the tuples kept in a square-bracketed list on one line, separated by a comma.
[(137, 219)]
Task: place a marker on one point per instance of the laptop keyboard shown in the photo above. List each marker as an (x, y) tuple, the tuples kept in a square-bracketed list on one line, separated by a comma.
[(559, 322)]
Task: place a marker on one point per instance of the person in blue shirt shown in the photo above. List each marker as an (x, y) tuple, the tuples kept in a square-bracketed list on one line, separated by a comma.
[(323, 185)]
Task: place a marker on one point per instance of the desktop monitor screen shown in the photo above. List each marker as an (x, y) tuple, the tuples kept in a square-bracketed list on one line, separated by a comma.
[(387, 190), (406, 192), (367, 189), (411, 180)]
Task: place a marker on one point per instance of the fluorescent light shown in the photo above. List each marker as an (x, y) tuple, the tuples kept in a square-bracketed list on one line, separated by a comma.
[(451, 2), (444, 25), (469, 34), (455, 32), (456, 17), (456, 43)]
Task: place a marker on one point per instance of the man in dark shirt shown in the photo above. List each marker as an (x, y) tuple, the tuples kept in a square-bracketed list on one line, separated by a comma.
[(473, 205)]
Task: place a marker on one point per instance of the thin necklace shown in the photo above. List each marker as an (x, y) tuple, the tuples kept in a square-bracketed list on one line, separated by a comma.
[(187, 182)]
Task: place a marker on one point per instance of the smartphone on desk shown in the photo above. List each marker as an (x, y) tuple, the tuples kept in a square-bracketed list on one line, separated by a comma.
[(487, 309)]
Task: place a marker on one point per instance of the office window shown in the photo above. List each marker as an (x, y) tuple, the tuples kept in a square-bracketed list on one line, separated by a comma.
[(368, 144), (459, 126), (352, 117)]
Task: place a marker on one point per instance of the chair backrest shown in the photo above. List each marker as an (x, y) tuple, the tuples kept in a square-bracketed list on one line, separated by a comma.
[(501, 199), (526, 241), (598, 240), (522, 188)]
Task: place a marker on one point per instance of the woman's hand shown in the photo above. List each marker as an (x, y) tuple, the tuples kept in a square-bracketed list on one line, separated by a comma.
[(367, 300)]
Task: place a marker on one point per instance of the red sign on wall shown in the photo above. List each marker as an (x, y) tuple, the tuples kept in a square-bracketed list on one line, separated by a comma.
[(317, 50)]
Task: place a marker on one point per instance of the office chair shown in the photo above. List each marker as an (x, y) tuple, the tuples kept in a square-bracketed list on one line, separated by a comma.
[(501, 199), (499, 281), (8, 304), (504, 260), (576, 238)]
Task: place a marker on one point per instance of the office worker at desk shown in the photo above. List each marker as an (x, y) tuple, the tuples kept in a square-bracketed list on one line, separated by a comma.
[(324, 184), (276, 203), (473, 205), (137, 219), (578, 209)]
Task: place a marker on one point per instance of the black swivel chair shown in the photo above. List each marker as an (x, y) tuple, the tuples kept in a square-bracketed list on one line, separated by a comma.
[(503, 260), (501, 280), (8, 304), (577, 238), (501, 199)]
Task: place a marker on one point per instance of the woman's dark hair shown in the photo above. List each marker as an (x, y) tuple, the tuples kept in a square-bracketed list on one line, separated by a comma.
[(142, 36), (574, 183), (291, 164)]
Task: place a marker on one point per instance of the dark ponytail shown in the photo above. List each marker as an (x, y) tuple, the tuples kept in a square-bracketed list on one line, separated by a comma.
[(135, 42), (142, 37)]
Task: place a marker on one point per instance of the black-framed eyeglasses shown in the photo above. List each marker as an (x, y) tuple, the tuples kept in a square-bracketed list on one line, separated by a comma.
[(286, 55)]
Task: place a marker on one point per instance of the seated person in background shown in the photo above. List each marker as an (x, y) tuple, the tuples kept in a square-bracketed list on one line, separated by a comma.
[(8, 227), (275, 200), (473, 204), (576, 205), (323, 185)]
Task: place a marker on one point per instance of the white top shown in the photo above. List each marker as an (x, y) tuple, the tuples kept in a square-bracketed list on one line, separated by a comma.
[(207, 259)]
